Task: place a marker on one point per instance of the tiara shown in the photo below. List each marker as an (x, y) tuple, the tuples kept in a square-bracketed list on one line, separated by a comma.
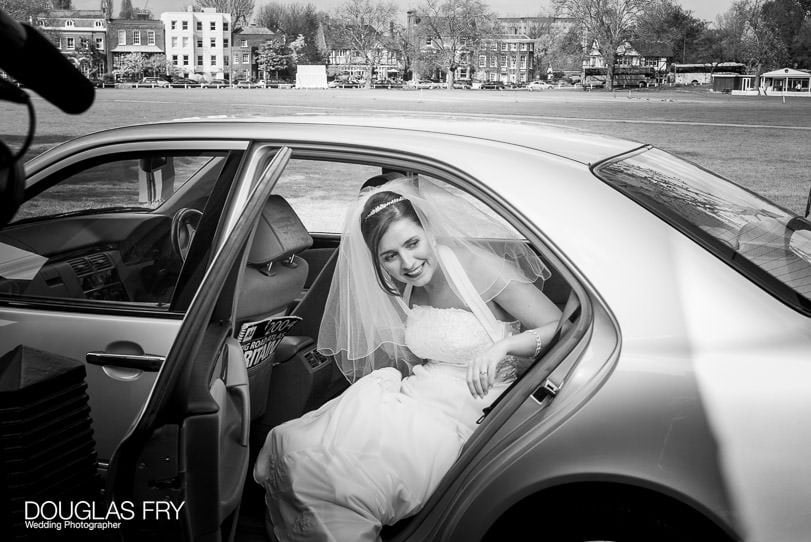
[(383, 206)]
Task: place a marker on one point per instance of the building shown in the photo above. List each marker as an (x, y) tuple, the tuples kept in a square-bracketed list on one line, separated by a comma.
[(509, 58), (637, 63), (81, 35), (345, 60), (535, 26), (142, 35), (245, 43), (198, 43)]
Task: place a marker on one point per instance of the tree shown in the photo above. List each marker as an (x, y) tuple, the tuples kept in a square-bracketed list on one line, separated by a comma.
[(750, 38), (272, 56), (667, 22), (156, 65), (292, 20), (362, 25), (607, 23), (89, 58), (127, 12), (133, 64), (24, 10), (454, 28), (555, 46), (240, 10)]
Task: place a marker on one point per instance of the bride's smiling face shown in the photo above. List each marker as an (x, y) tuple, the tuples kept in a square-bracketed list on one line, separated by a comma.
[(405, 253)]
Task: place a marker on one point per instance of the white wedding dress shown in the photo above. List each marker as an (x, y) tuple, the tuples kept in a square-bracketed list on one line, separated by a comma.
[(375, 454)]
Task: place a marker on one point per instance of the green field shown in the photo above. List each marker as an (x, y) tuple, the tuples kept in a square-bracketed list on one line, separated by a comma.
[(762, 143)]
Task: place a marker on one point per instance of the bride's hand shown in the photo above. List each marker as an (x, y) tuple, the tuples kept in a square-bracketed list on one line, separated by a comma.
[(481, 372)]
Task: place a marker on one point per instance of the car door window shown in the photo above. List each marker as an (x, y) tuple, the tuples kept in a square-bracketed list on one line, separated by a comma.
[(102, 230)]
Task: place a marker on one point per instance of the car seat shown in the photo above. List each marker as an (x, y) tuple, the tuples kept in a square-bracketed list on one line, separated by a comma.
[(271, 282)]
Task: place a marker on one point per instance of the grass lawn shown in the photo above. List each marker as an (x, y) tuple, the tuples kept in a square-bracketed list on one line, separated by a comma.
[(761, 143)]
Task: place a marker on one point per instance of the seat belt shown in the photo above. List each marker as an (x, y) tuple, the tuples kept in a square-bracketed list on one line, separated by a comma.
[(554, 382)]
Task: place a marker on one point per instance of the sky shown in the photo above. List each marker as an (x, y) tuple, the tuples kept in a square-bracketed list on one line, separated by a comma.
[(703, 9)]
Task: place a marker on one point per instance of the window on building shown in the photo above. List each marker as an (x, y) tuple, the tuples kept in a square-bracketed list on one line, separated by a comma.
[(482, 61), (513, 47), (523, 46), (199, 60), (225, 26), (98, 24), (504, 46), (136, 37), (69, 23), (174, 42), (184, 25), (185, 60), (523, 62), (57, 42), (225, 43), (199, 26), (503, 60), (175, 61), (243, 43), (213, 60), (185, 42), (150, 37), (122, 37), (427, 41), (70, 43), (173, 25), (213, 42), (100, 43), (236, 59), (246, 58), (225, 60), (200, 43), (213, 25)]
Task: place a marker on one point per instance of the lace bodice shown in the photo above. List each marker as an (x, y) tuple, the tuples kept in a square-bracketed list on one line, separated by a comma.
[(448, 336)]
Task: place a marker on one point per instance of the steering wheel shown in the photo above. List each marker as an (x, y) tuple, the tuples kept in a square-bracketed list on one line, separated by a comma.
[(184, 226)]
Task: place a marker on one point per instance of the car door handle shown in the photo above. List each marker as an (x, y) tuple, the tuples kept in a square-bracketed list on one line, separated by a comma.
[(144, 362)]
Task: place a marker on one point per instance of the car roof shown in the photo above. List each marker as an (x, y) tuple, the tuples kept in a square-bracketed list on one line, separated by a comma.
[(572, 144)]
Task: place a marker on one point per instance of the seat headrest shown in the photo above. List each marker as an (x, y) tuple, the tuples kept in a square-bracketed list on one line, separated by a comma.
[(279, 234)]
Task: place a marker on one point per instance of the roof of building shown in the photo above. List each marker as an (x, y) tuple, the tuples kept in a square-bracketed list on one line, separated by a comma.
[(652, 49)]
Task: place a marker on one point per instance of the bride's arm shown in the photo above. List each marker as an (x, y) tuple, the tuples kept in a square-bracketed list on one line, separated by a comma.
[(537, 314)]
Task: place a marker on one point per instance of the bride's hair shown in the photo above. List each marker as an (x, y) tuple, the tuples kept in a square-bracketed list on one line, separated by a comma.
[(380, 211)]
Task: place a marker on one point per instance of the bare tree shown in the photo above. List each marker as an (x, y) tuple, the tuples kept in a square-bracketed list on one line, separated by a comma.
[(455, 29), (240, 10), (362, 25), (607, 24)]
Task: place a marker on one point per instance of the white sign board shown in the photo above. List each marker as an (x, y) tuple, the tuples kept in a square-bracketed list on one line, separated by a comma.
[(311, 76)]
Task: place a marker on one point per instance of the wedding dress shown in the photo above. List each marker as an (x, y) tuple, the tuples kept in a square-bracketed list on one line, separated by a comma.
[(375, 454)]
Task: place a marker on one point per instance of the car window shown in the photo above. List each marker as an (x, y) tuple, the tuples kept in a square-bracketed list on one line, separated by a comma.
[(321, 192), (767, 243), (142, 181), (101, 231)]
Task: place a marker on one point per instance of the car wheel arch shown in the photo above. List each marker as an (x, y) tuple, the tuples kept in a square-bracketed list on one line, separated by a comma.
[(607, 508)]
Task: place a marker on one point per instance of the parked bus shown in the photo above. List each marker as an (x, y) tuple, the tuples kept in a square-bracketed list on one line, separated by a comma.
[(701, 74), (624, 76)]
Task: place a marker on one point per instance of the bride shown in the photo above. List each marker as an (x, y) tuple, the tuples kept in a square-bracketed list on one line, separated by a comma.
[(431, 321)]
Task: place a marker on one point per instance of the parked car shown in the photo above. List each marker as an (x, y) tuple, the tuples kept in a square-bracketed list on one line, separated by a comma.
[(492, 85), (387, 83), (429, 84), (671, 405), (216, 83), (154, 82), (463, 84), (250, 83), (105, 81), (539, 85), (184, 82)]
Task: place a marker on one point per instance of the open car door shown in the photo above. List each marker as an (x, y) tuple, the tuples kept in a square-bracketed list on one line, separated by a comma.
[(182, 465)]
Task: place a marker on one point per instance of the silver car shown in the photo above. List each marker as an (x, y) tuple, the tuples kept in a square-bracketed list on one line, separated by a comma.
[(672, 406)]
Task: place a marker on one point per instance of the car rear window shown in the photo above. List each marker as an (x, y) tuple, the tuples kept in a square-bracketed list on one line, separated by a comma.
[(768, 244)]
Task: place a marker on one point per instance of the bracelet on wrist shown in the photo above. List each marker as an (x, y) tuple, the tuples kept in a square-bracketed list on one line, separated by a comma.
[(538, 344)]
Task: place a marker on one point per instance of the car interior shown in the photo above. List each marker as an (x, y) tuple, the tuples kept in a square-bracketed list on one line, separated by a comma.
[(142, 254)]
